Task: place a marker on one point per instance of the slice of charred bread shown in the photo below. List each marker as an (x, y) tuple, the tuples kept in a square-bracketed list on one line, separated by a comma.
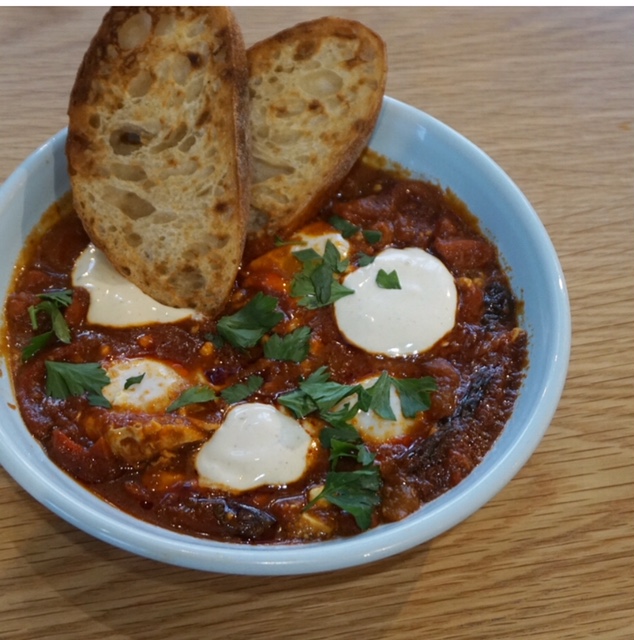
[(158, 150), (316, 92)]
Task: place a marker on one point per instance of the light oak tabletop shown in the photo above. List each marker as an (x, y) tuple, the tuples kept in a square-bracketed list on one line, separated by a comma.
[(549, 95)]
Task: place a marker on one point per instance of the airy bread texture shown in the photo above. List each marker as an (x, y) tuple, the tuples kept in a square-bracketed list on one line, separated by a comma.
[(316, 92), (158, 150)]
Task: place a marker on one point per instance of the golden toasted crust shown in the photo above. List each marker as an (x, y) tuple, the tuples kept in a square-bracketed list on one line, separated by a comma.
[(158, 150), (316, 92)]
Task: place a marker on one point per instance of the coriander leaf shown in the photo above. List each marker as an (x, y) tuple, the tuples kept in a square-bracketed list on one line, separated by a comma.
[(341, 449), (356, 492), (341, 417), (380, 397), (363, 259), (98, 400), (300, 403), (322, 282), (65, 379), (298, 400), (327, 394), (336, 291), (52, 302), (372, 236), (307, 255), (60, 328), (365, 456), (342, 432), (332, 258), (316, 285), (346, 228), (241, 391), (387, 280), (36, 344), (61, 298), (292, 347), (245, 327), (133, 380), (415, 394), (193, 395)]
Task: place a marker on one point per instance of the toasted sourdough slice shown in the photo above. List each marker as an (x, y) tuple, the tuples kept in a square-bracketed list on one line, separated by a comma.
[(158, 150), (316, 92)]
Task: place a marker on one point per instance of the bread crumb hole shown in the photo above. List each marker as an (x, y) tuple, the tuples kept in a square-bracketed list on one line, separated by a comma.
[(127, 140), (321, 83), (129, 203), (133, 239), (94, 121), (189, 279), (187, 144), (163, 217), (264, 170), (165, 25), (135, 31), (128, 172), (181, 68), (141, 83), (171, 139)]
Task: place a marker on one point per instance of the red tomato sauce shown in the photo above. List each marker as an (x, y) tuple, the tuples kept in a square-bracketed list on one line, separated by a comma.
[(478, 368)]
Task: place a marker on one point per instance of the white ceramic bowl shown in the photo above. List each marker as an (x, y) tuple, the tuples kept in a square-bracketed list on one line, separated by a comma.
[(436, 152)]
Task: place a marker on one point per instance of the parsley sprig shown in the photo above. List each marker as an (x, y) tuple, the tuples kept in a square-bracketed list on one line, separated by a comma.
[(204, 393), (356, 491), (51, 305), (247, 326), (291, 347), (317, 284), (64, 379)]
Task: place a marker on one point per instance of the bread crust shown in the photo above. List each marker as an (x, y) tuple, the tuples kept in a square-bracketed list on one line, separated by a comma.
[(158, 150), (316, 93)]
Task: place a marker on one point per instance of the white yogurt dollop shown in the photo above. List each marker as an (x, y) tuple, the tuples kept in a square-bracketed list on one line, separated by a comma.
[(115, 301), (256, 445), (398, 322)]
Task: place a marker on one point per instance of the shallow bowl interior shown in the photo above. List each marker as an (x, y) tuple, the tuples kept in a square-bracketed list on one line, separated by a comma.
[(432, 150)]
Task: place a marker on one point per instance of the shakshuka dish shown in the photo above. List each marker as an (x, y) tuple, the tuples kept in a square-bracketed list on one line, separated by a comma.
[(359, 370)]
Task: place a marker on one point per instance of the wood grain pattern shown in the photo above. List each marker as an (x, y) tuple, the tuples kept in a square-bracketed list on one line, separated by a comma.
[(549, 94)]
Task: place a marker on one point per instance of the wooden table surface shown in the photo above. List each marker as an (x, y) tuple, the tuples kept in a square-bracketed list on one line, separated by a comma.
[(549, 94)]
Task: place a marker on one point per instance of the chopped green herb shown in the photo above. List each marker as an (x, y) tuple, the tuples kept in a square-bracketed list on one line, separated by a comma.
[(316, 393), (36, 344), (51, 305), (372, 236), (62, 298), (363, 259), (247, 326), (307, 255), (316, 285), (415, 394), (241, 391), (133, 380), (387, 280), (356, 492), (380, 397), (64, 379), (345, 228), (193, 395), (332, 258), (292, 347)]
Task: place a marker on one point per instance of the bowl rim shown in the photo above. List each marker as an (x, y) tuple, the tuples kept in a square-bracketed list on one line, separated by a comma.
[(50, 486)]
